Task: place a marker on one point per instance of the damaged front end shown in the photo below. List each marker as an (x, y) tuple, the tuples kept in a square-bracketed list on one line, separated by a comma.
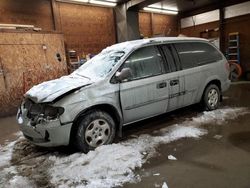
[(41, 113), (40, 123)]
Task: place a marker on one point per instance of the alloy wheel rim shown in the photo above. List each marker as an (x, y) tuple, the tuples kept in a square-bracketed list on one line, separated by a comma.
[(97, 133), (213, 97)]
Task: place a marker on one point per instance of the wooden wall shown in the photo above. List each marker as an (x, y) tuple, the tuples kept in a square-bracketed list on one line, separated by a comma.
[(198, 29), (151, 24), (31, 12), (145, 24), (87, 29), (237, 24), (27, 59)]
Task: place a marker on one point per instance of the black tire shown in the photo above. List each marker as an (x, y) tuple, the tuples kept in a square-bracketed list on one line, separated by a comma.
[(94, 129), (211, 97)]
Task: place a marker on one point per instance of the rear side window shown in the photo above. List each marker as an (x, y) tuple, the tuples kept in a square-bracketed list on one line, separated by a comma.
[(169, 56), (205, 53), (186, 55), (145, 62), (193, 54)]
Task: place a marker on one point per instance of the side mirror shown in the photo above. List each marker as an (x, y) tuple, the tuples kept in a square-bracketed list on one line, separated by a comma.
[(124, 74)]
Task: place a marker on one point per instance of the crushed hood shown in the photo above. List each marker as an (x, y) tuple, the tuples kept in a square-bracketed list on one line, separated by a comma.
[(50, 90)]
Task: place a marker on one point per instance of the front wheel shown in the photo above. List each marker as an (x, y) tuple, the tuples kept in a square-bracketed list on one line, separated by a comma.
[(95, 128), (211, 97)]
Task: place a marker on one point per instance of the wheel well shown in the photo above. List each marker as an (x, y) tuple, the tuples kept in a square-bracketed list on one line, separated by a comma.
[(103, 107), (215, 82)]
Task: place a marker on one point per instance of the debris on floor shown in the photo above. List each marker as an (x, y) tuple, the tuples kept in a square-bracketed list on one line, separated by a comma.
[(218, 137), (164, 185), (156, 174), (171, 157)]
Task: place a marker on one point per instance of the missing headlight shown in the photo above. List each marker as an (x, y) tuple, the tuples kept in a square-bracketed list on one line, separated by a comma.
[(52, 112), (42, 112)]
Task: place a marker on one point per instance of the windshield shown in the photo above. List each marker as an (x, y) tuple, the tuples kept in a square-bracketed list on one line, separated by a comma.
[(100, 65)]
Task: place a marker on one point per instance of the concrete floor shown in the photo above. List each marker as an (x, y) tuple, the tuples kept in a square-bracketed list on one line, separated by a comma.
[(208, 162)]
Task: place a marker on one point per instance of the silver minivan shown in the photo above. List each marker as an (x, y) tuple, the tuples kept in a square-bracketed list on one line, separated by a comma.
[(125, 83)]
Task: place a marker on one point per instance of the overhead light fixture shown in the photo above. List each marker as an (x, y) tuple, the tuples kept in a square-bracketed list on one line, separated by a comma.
[(81, 1), (109, 3), (157, 6), (104, 3), (162, 11)]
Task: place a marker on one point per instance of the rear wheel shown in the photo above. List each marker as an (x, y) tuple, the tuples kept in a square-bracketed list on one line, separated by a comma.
[(95, 128), (211, 97)]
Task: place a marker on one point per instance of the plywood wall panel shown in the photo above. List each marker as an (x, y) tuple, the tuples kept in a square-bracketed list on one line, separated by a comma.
[(29, 12), (165, 25), (87, 29), (145, 25), (27, 59), (157, 24)]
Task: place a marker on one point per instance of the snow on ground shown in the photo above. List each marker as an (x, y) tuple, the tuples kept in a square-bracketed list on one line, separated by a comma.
[(109, 165), (8, 175), (114, 165), (5, 154), (171, 157)]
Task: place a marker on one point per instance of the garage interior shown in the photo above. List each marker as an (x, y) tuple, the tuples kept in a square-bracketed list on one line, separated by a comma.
[(45, 39)]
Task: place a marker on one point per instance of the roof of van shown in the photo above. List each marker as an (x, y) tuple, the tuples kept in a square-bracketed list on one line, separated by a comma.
[(128, 45)]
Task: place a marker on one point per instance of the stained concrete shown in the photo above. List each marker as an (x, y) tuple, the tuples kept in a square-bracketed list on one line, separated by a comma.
[(219, 159)]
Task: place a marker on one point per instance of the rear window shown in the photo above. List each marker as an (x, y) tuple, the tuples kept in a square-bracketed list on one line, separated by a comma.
[(186, 55), (205, 53), (193, 54)]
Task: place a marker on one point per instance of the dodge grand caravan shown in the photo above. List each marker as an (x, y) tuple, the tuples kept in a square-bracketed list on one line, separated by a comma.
[(125, 83)]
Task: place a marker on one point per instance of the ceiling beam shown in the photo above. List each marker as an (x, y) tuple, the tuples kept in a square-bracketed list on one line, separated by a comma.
[(209, 7), (137, 5)]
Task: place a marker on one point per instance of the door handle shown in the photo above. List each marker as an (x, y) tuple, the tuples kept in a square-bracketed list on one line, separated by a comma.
[(174, 82), (161, 85)]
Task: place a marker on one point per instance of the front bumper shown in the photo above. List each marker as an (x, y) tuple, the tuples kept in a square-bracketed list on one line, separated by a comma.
[(47, 134)]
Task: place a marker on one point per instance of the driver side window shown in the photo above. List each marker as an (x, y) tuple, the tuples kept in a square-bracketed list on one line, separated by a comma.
[(144, 62)]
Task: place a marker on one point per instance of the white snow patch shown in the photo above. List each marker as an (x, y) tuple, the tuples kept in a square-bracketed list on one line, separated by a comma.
[(52, 89), (19, 182), (171, 157), (5, 154), (217, 136), (6, 150), (219, 116), (157, 185), (156, 174), (164, 185), (8, 175), (113, 165)]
